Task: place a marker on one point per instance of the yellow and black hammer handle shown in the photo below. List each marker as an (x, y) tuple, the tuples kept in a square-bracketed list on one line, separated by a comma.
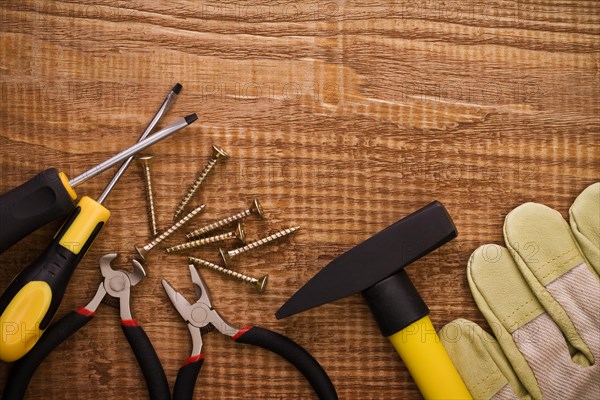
[(403, 317)]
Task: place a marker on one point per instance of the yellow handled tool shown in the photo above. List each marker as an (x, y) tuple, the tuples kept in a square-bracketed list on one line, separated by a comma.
[(428, 362), (376, 269), (50, 195), (32, 299)]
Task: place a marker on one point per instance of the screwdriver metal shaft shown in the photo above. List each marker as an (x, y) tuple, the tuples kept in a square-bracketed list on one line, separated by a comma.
[(159, 114), (125, 154)]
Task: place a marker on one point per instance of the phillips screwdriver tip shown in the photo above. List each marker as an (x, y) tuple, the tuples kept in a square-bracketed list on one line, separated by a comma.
[(190, 118)]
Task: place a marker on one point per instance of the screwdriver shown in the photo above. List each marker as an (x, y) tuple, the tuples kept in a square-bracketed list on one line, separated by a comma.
[(50, 195), (32, 298)]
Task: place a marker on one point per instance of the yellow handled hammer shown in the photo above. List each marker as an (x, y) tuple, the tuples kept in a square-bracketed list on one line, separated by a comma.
[(376, 268)]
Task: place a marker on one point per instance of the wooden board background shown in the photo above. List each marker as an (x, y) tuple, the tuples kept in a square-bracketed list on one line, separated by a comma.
[(341, 117)]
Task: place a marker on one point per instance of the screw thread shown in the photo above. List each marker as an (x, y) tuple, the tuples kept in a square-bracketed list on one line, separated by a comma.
[(218, 224), (173, 228), (201, 242), (224, 271), (192, 190), (150, 198), (262, 241)]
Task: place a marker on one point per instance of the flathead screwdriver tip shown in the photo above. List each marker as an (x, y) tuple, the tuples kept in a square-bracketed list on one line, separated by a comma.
[(191, 118), (177, 88)]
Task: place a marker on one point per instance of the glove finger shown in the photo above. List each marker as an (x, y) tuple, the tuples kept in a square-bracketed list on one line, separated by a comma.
[(480, 361), (548, 257), (584, 217), (507, 303)]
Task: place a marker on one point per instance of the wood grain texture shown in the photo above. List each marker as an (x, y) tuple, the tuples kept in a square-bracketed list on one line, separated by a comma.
[(341, 117)]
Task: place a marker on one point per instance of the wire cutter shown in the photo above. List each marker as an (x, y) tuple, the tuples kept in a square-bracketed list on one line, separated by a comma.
[(202, 317), (117, 284)]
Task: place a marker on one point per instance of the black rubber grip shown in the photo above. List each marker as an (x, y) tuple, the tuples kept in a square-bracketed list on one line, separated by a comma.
[(295, 354), (395, 303), (186, 380), (154, 374), (30, 206), (24, 368)]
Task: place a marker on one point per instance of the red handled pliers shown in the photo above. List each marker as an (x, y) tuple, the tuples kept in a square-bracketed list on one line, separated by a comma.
[(201, 316)]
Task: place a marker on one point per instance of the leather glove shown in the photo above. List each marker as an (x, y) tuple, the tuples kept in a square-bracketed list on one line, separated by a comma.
[(541, 297)]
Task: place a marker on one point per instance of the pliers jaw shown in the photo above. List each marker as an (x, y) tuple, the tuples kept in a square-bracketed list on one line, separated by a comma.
[(213, 317), (117, 284), (183, 307), (202, 292), (199, 315)]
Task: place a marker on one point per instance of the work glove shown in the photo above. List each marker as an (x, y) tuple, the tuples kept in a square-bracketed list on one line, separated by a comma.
[(541, 297)]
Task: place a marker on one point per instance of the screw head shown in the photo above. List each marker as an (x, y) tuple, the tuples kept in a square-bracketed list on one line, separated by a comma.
[(240, 234), (145, 160), (256, 208), (219, 153), (141, 251), (225, 256), (261, 284)]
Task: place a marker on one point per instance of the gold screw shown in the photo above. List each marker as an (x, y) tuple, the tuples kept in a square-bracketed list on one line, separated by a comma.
[(228, 255), (144, 250), (218, 154), (255, 208), (238, 234), (260, 284), (145, 162)]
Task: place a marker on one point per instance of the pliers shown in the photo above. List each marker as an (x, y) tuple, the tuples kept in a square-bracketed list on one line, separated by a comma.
[(117, 284), (202, 317)]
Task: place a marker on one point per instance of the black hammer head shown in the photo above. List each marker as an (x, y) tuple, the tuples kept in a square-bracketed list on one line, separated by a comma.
[(375, 259)]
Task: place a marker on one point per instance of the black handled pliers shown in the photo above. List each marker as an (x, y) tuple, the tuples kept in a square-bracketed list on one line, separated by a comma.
[(202, 316), (117, 284)]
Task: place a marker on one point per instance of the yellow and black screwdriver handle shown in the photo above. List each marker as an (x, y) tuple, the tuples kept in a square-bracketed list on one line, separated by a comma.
[(42, 199), (31, 300)]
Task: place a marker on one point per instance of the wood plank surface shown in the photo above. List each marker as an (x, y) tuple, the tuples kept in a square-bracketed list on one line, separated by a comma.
[(341, 117)]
